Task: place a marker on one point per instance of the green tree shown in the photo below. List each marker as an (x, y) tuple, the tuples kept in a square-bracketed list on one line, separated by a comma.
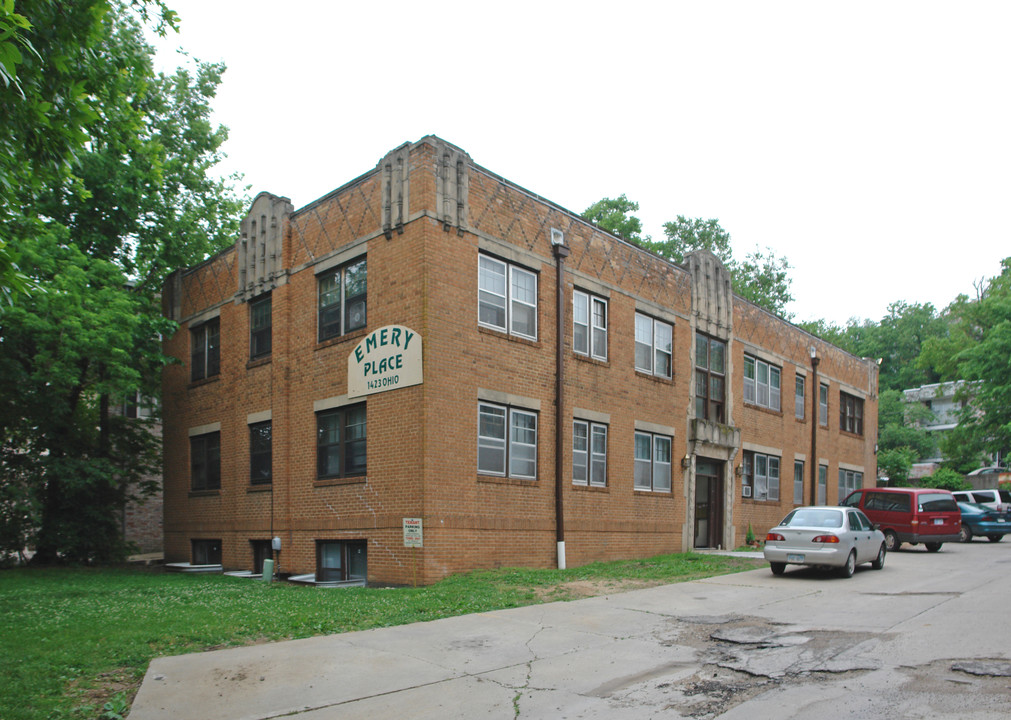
[(762, 277), (945, 479), (614, 216), (686, 235), (896, 464), (985, 366), (114, 215)]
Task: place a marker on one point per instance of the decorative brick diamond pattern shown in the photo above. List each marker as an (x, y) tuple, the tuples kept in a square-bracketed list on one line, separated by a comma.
[(210, 284), (336, 221)]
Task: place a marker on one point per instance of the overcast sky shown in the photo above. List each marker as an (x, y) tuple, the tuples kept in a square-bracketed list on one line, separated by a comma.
[(867, 142)]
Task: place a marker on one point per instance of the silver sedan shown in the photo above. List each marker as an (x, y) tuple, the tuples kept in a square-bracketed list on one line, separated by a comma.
[(824, 536)]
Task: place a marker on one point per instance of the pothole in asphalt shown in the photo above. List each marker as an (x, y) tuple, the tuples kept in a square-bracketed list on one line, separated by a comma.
[(951, 682), (742, 657)]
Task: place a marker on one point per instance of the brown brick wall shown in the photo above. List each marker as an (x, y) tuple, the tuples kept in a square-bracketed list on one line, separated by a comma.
[(422, 440)]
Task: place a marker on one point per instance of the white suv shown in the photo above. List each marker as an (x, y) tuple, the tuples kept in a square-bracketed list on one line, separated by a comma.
[(999, 500)]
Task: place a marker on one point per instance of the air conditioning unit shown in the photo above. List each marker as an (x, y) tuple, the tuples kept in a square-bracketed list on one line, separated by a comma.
[(745, 491)]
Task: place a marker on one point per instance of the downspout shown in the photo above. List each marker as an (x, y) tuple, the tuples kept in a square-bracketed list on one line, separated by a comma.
[(561, 251), (815, 419)]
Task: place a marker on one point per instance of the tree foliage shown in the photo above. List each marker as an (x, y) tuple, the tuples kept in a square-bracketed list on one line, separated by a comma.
[(124, 197), (945, 479), (614, 215), (985, 365), (762, 277)]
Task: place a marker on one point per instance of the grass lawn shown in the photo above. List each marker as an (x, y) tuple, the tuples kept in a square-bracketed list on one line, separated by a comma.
[(76, 643)]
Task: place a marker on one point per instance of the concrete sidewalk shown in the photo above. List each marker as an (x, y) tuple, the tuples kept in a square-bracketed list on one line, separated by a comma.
[(640, 654)]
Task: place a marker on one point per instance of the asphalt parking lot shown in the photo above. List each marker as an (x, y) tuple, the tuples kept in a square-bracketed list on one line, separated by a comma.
[(926, 637)]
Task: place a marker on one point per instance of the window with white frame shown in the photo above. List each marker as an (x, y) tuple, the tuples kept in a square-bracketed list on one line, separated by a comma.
[(652, 462), (798, 482), (507, 297), (654, 346), (589, 325), (849, 480), (761, 383), (761, 474), (506, 441), (589, 453), (799, 403), (823, 404), (822, 484)]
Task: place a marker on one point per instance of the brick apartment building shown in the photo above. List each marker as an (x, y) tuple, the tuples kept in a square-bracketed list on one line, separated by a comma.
[(391, 352)]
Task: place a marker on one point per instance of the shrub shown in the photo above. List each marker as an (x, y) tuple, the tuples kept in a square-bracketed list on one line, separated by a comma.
[(946, 479)]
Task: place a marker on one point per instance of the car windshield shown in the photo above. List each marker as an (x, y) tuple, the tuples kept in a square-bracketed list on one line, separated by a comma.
[(937, 502), (972, 508), (806, 517)]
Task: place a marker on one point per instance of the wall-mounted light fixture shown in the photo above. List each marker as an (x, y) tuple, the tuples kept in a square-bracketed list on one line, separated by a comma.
[(685, 462), (739, 470)]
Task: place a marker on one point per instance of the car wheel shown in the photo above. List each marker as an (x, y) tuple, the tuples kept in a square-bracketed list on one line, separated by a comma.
[(933, 547), (965, 534), (778, 568), (892, 541), (879, 561), (994, 538), (850, 567)]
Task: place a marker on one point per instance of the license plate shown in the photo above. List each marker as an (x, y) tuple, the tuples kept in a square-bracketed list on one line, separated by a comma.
[(939, 521), (795, 558), (1000, 519)]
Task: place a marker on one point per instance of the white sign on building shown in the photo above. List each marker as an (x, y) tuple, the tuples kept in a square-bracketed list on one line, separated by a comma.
[(413, 533), (386, 359)]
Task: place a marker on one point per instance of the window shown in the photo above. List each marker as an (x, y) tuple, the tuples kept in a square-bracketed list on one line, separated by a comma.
[(589, 325), (761, 383), (341, 561), (652, 462), (798, 482), (507, 297), (589, 453), (798, 397), (206, 552), (710, 368), (761, 474), (823, 405), (341, 442), (137, 406), (205, 461), (205, 355), (259, 328), (654, 346), (260, 453), (849, 481), (822, 483), (509, 455), (342, 294), (851, 413)]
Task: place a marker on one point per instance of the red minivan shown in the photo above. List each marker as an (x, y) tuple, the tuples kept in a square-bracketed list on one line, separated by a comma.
[(910, 515)]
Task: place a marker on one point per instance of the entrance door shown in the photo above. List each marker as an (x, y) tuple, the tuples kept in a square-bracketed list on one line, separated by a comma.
[(708, 503)]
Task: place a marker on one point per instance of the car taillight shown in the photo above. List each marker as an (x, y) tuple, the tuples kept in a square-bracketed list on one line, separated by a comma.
[(772, 537), (914, 521), (825, 539)]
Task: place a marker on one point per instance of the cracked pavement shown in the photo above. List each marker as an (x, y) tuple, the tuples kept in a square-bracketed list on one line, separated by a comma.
[(924, 638)]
